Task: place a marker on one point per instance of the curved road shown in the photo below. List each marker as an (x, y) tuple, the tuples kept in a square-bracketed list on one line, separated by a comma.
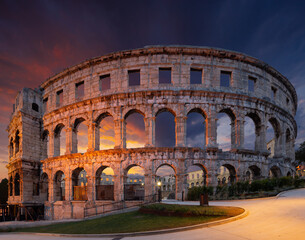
[(282, 217)]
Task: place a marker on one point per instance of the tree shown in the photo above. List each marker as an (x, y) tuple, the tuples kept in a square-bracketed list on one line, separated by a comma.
[(3, 191), (300, 153)]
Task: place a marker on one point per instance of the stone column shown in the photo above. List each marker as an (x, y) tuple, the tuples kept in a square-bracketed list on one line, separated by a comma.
[(150, 131), (149, 185), (180, 131), (120, 133), (181, 185), (118, 187), (51, 144), (92, 137), (211, 131), (69, 134), (238, 133), (68, 187)]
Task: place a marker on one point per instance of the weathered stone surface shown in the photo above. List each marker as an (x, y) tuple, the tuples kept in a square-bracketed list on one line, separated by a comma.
[(36, 167)]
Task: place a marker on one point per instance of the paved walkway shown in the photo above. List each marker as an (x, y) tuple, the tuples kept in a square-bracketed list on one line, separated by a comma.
[(282, 217)]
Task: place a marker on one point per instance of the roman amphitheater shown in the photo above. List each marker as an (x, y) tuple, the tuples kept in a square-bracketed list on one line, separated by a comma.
[(150, 81)]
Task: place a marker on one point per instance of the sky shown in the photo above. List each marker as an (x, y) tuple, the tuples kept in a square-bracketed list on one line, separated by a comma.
[(41, 38)]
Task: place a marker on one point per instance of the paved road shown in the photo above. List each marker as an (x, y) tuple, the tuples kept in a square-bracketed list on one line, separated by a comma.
[(274, 218)]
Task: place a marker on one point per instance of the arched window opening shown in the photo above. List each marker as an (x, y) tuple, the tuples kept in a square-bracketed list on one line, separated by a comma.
[(275, 172), (79, 184), (59, 186), (81, 136), (195, 130), (106, 133), (17, 142), (253, 173), (224, 131), (196, 175), (104, 183), (165, 129), (249, 134), (135, 130), (227, 175), (17, 184), (44, 187), (166, 180), (59, 140), (134, 183)]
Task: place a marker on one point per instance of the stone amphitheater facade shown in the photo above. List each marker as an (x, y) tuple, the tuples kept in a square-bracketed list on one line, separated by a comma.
[(39, 116)]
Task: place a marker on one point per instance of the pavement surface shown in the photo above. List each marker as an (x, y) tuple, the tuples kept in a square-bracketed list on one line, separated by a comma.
[(281, 217)]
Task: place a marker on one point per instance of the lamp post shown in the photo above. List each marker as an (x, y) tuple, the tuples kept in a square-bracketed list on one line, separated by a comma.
[(159, 191)]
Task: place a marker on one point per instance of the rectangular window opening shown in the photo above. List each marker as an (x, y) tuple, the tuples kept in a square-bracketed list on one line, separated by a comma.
[(287, 102), (196, 76), (165, 75), (104, 82), (251, 84), (59, 98), (134, 77), (225, 79), (80, 90)]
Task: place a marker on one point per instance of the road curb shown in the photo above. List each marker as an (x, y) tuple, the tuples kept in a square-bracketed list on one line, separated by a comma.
[(134, 234)]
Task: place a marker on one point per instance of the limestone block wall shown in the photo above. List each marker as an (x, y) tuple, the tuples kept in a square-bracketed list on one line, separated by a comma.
[(77, 94)]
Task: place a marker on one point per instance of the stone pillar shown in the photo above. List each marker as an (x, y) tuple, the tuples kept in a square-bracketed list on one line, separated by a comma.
[(74, 141), (238, 135), (118, 187), (51, 144), (279, 147), (181, 185), (120, 133), (51, 188), (261, 142), (68, 131), (68, 187), (92, 137), (150, 131), (211, 132), (149, 185), (180, 131)]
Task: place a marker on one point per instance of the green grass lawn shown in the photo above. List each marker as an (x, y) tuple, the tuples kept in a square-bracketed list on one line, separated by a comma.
[(134, 222)]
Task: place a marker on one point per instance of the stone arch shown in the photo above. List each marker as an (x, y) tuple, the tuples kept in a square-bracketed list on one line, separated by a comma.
[(134, 183), (58, 139), (166, 181), (196, 128), (17, 185), (226, 140), (80, 141), (103, 141), (104, 183), (201, 179), (59, 186), (134, 131), (257, 127), (254, 173), (44, 187), (228, 176), (79, 184), (275, 172), (165, 124), (132, 110), (165, 109)]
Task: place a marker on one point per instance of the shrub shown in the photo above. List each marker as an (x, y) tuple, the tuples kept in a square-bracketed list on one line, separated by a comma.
[(194, 192)]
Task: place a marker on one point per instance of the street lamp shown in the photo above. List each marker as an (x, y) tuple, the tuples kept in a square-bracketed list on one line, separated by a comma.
[(159, 191)]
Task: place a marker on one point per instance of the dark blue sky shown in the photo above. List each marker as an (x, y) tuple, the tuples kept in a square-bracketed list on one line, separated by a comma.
[(41, 38)]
